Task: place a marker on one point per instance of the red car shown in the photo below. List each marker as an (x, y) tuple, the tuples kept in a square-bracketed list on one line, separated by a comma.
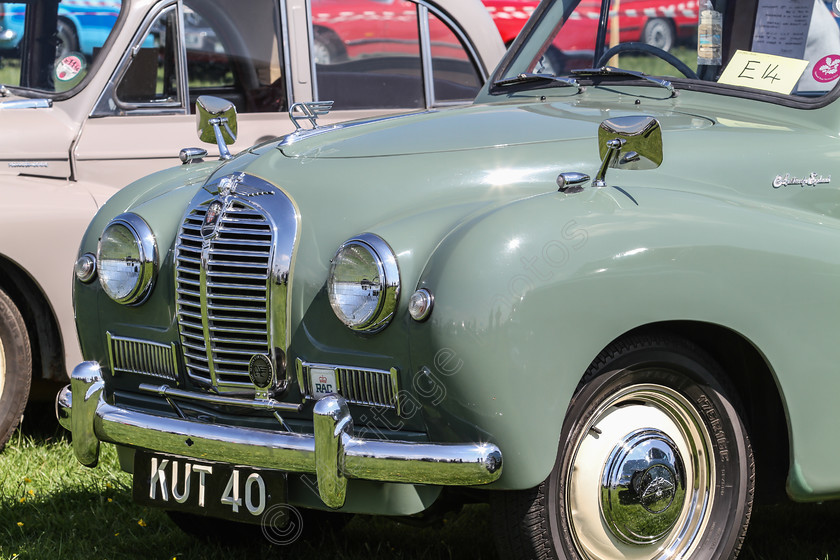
[(660, 23), (346, 30)]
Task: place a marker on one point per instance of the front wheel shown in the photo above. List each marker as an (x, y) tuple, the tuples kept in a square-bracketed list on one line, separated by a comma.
[(654, 462), (15, 367)]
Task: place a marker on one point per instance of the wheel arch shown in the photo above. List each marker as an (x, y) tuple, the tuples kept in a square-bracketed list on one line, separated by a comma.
[(42, 325), (756, 388)]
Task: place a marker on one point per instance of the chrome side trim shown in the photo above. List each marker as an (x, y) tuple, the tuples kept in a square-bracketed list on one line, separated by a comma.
[(26, 104), (332, 453), (426, 56)]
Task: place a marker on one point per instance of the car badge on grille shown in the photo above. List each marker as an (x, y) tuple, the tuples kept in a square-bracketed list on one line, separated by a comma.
[(310, 111), (211, 219), (260, 371)]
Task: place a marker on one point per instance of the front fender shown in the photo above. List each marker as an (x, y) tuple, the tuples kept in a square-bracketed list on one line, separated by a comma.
[(526, 296)]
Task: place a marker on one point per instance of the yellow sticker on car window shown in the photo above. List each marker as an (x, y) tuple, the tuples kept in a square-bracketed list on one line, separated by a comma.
[(769, 72)]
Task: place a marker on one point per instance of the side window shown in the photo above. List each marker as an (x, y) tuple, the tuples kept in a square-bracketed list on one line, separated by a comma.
[(370, 55), (151, 77), (456, 78), (231, 52), (236, 53), (367, 54)]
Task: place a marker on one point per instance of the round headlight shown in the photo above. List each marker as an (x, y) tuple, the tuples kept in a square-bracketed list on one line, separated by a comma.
[(364, 283), (127, 258)]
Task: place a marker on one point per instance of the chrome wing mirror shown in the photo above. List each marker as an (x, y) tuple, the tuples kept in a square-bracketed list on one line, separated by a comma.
[(216, 122), (628, 143)]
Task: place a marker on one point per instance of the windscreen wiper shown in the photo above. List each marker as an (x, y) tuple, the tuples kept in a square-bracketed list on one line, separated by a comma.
[(613, 71), (529, 78)]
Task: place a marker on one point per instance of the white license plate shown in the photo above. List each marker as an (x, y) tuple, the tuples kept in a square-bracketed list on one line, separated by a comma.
[(215, 489), (322, 382)]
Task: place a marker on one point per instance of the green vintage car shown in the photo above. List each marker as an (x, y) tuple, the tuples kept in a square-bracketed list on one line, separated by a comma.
[(602, 298)]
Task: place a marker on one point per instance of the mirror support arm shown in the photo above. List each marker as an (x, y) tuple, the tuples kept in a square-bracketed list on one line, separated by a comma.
[(216, 123), (613, 150)]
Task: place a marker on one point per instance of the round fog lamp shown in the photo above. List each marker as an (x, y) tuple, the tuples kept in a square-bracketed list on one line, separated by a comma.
[(420, 304), (127, 257)]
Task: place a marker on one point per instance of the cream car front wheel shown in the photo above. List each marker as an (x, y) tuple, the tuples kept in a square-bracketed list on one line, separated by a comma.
[(654, 463), (15, 367)]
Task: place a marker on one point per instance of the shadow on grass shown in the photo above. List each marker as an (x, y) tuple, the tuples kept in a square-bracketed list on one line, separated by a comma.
[(82, 525), (794, 531)]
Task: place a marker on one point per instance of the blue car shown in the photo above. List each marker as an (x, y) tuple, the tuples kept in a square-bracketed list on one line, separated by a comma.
[(83, 25)]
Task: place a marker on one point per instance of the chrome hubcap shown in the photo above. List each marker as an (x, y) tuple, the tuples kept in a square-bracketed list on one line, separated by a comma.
[(640, 482), (643, 487)]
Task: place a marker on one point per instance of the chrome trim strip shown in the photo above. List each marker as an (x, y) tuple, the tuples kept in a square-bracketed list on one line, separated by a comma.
[(332, 453), (26, 104), (426, 56), (168, 392)]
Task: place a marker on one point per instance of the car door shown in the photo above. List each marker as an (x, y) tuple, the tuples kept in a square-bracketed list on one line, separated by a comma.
[(183, 50)]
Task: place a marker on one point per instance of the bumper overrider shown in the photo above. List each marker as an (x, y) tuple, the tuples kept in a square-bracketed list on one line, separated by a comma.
[(331, 453)]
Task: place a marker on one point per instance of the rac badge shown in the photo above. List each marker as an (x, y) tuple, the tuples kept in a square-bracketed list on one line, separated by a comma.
[(260, 371)]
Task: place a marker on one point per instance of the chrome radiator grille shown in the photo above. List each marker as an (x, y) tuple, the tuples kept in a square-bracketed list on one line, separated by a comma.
[(222, 293)]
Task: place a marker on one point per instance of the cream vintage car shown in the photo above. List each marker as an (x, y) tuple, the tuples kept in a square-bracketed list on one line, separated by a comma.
[(81, 118)]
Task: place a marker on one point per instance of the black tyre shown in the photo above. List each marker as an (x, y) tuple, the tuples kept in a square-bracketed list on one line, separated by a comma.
[(658, 33), (15, 367), (654, 462)]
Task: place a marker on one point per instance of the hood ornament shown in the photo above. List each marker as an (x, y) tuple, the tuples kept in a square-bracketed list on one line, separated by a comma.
[(228, 184), (310, 111)]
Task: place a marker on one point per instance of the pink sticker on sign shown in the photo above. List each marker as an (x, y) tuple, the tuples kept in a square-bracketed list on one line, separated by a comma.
[(68, 68), (827, 69)]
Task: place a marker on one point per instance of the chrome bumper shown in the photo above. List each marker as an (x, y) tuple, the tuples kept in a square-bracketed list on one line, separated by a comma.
[(331, 453)]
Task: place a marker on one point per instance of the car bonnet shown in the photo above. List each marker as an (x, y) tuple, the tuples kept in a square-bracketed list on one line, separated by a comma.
[(468, 128)]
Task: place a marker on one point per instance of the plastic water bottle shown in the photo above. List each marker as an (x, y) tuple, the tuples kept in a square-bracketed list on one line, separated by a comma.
[(709, 35)]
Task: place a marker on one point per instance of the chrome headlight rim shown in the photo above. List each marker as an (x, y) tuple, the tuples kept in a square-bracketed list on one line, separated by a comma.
[(385, 261), (144, 241)]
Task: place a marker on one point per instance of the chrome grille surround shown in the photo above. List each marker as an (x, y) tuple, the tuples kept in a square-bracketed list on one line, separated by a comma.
[(232, 271), (364, 386), (133, 356)]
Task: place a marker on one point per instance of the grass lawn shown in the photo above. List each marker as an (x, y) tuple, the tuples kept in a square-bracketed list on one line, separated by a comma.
[(52, 507)]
